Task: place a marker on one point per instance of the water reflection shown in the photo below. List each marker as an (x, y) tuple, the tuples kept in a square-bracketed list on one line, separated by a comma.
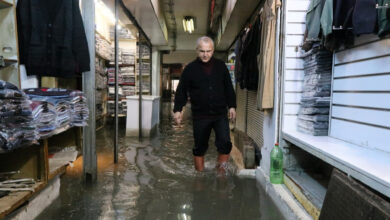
[(155, 179)]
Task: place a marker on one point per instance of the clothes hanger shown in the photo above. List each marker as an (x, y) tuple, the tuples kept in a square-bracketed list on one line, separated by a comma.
[(382, 6)]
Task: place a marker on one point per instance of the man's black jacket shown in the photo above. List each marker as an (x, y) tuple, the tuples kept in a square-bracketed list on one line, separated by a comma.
[(210, 94), (52, 39)]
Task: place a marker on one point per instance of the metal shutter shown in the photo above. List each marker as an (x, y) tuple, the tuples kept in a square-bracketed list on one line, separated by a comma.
[(241, 95), (255, 120)]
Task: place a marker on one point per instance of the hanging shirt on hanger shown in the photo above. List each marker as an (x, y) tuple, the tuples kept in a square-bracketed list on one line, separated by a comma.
[(251, 49), (327, 18), (364, 17), (313, 20), (342, 23), (383, 19), (52, 39)]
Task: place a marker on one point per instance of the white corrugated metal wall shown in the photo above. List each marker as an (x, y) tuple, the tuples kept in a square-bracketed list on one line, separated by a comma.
[(361, 79), (293, 63), (361, 94)]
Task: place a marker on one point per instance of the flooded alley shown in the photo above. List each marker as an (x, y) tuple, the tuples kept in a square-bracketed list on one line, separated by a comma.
[(155, 179), (247, 109)]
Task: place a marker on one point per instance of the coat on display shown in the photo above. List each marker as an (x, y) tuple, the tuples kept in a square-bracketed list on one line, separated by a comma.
[(52, 39)]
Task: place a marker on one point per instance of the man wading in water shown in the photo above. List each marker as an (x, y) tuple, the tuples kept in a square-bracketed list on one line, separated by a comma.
[(207, 82)]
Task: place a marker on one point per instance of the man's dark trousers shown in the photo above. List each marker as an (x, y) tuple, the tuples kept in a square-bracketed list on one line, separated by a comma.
[(202, 130)]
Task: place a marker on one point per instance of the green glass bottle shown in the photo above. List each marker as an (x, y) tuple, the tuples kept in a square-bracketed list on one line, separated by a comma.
[(276, 171)]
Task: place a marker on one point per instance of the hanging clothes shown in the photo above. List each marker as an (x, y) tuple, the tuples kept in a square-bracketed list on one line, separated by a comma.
[(343, 10), (342, 24), (327, 18), (238, 51), (251, 49), (388, 14), (313, 21), (383, 19), (364, 17), (265, 91), (52, 39)]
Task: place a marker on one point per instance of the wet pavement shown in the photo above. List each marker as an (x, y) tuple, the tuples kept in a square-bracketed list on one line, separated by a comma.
[(155, 179)]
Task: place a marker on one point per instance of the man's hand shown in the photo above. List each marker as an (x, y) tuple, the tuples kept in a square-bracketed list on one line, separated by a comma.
[(178, 116), (232, 114)]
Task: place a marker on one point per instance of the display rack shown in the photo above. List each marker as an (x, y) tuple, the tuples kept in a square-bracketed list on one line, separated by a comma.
[(16, 199), (103, 57), (68, 137), (28, 162), (31, 162), (146, 70), (126, 81)]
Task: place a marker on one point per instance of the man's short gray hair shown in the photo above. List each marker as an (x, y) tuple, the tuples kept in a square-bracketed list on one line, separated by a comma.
[(204, 39)]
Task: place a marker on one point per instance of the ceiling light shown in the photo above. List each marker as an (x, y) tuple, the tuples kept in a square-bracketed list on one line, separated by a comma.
[(189, 24)]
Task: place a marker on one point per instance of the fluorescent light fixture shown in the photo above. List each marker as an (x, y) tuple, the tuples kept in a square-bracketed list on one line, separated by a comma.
[(189, 24)]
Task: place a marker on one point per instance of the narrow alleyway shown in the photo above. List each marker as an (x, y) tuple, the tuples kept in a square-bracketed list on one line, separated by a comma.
[(155, 179)]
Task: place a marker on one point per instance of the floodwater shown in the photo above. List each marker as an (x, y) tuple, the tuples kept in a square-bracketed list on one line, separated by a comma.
[(155, 179)]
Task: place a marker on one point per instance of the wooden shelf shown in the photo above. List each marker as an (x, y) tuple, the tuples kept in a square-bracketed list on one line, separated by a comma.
[(126, 39), (58, 164), (60, 130), (100, 117), (15, 199), (112, 99), (4, 4), (120, 65), (119, 115), (100, 127), (57, 170), (101, 56)]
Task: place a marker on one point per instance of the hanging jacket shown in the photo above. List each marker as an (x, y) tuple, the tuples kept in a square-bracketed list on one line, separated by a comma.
[(383, 19), (52, 39), (342, 33), (343, 10), (249, 64), (327, 18), (313, 20), (364, 17), (388, 14), (238, 51)]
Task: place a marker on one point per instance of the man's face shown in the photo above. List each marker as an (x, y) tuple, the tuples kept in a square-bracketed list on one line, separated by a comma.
[(205, 51)]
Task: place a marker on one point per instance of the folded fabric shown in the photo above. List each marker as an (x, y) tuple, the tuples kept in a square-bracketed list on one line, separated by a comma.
[(313, 115), (45, 117), (70, 106), (17, 125)]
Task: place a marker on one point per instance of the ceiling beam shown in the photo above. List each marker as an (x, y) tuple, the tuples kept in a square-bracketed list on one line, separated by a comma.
[(234, 18), (149, 17)]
